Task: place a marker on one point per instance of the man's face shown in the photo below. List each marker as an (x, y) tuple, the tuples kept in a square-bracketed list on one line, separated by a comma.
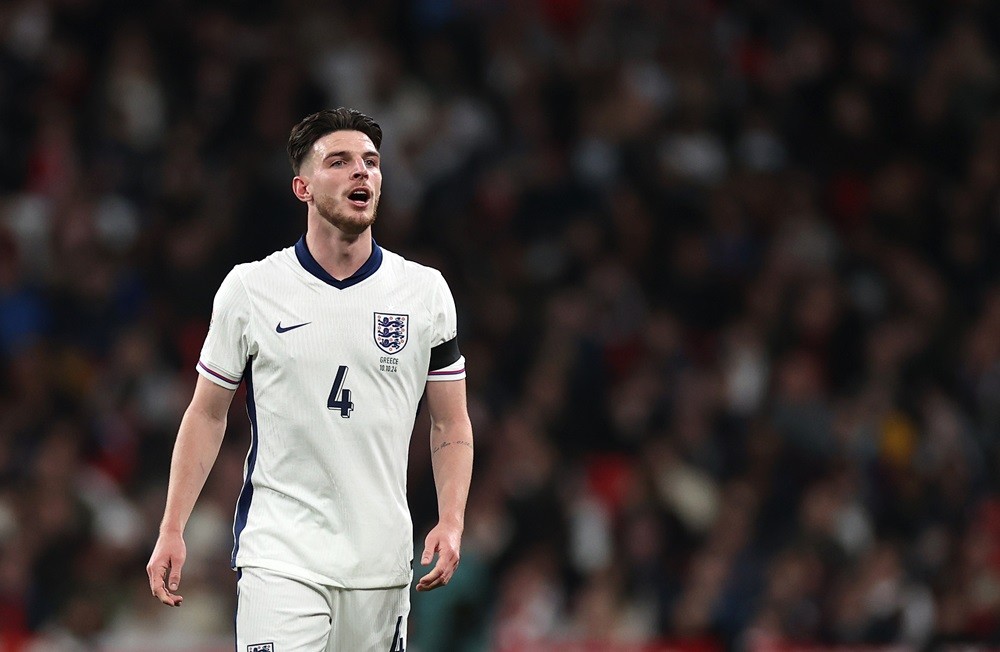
[(344, 180)]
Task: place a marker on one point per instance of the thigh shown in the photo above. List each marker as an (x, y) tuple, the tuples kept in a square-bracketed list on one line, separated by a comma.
[(370, 620), (276, 613)]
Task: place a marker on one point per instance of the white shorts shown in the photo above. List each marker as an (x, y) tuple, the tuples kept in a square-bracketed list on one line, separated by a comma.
[(279, 613)]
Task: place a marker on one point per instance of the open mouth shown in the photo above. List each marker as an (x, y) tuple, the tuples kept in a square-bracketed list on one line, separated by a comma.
[(359, 196)]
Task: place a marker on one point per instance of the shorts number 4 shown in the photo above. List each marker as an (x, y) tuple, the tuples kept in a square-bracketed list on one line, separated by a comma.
[(398, 645)]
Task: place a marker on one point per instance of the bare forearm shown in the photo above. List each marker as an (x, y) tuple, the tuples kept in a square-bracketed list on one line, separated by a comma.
[(198, 441), (451, 457)]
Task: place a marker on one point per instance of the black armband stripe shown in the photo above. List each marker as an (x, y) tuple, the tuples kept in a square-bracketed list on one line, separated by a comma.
[(444, 354)]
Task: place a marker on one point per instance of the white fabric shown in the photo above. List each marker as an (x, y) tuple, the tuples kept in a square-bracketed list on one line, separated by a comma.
[(324, 496), (276, 612)]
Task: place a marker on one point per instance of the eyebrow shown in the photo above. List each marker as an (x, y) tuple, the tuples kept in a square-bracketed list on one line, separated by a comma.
[(344, 154)]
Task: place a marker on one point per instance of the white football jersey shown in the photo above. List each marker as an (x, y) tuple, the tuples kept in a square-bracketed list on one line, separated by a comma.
[(334, 371)]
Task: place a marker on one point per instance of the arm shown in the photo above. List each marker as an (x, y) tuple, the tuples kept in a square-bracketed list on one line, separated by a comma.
[(198, 440), (451, 458)]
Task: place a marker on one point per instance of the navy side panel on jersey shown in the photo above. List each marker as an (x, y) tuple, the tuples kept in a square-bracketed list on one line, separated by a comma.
[(246, 493)]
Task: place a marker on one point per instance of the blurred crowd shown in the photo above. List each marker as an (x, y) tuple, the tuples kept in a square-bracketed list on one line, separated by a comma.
[(727, 281)]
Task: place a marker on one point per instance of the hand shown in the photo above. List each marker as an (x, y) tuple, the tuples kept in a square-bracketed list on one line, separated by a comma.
[(446, 541), (164, 568)]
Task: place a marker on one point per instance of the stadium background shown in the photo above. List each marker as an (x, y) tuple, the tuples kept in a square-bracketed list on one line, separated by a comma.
[(727, 285)]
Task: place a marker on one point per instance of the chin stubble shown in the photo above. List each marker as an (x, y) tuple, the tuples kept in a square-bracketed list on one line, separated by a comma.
[(346, 222)]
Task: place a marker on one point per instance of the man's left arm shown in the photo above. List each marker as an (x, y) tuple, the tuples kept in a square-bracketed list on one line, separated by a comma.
[(451, 459)]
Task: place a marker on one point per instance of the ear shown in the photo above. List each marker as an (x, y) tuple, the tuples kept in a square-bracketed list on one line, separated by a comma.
[(300, 186)]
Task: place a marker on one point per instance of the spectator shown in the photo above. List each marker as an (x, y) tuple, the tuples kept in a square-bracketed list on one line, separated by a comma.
[(728, 281)]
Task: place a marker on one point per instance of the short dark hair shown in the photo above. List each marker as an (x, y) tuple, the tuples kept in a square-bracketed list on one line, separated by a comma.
[(315, 126)]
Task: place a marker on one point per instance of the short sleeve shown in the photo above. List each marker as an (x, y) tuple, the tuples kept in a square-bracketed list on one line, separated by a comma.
[(447, 362), (224, 354), (444, 319)]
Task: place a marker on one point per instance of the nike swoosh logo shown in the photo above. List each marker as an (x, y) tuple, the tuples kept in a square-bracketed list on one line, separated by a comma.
[(285, 329)]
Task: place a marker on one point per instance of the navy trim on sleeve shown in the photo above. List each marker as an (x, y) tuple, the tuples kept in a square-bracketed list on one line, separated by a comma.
[(445, 354)]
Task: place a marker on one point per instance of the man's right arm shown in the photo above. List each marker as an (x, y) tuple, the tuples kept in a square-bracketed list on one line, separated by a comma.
[(198, 440)]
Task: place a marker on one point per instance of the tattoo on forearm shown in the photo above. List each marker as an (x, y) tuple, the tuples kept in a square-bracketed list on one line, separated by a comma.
[(445, 444)]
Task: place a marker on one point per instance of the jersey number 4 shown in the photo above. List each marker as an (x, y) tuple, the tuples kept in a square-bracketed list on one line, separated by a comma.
[(340, 396)]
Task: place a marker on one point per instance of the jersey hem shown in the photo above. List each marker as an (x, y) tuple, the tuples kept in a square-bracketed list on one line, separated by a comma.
[(374, 582)]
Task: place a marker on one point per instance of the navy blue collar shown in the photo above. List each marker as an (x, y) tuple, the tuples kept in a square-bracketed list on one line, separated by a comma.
[(309, 263)]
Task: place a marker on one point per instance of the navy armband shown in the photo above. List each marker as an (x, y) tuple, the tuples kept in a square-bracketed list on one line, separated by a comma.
[(444, 354)]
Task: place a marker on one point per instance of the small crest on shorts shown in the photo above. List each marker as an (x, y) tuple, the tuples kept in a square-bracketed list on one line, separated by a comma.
[(390, 331), (260, 647)]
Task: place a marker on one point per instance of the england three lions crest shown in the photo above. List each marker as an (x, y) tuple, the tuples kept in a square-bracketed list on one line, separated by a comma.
[(391, 331)]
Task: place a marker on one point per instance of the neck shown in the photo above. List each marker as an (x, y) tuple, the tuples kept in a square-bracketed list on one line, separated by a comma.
[(340, 254)]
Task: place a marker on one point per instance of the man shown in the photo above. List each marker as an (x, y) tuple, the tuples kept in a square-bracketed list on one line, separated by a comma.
[(336, 340)]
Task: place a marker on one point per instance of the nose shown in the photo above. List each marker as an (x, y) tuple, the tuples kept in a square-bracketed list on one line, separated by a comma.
[(360, 170)]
